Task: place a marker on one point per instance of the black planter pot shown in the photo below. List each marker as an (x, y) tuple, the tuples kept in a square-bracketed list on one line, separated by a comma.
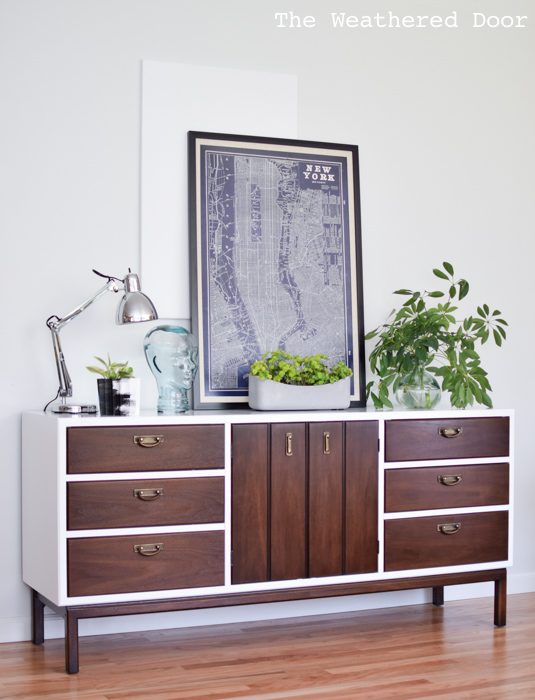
[(118, 397)]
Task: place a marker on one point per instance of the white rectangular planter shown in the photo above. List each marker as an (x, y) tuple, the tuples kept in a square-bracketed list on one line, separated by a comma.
[(267, 395)]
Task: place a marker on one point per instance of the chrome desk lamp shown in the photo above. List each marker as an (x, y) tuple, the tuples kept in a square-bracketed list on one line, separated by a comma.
[(134, 307)]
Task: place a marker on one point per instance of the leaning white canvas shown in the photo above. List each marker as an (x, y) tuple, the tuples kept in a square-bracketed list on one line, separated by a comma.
[(176, 99)]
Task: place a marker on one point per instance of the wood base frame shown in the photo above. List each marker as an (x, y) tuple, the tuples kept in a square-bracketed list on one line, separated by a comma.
[(72, 614)]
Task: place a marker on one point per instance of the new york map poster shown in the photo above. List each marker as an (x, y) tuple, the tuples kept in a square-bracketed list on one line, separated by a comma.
[(276, 258)]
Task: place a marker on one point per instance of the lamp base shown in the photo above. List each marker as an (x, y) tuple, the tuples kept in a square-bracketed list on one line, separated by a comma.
[(73, 409)]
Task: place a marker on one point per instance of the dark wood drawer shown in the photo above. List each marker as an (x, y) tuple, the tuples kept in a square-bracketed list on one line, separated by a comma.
[(417, 543), (429, 488), (142, 503), (94, 450), (428, 439), (104, 565)]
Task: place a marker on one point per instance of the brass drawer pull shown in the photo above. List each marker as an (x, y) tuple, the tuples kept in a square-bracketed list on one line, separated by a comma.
[(148, 440), (148, 494), (289, 452), (449, 479), (449, 528), (450, 432), (326, 443), (148, 550)]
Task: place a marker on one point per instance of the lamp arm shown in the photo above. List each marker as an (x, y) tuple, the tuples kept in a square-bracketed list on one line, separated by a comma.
[(56, 324)]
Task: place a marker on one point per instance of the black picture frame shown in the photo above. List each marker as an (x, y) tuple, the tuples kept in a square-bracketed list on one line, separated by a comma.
[(276, 258)]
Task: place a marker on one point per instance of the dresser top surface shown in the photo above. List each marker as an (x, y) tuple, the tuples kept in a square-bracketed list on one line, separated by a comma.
[(246, 415)]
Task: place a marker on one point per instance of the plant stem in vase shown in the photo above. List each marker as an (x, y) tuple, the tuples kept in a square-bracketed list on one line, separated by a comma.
[(418, 389)]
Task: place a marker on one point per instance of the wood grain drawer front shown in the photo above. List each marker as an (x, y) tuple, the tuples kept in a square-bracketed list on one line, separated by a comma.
[(417, 543), (108, 565), (430, 488), (458, 438), (145, 448), (143, 503)]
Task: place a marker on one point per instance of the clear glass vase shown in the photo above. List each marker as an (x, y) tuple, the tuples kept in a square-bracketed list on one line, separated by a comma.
[(418, 389)]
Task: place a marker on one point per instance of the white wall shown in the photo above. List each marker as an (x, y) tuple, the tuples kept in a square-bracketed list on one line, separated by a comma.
[(444, 120)]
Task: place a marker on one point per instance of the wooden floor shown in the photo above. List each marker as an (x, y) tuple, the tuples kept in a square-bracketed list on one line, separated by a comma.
[(403, 653)]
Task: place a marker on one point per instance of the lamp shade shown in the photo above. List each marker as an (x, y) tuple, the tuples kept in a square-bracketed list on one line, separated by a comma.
[(135, 306)]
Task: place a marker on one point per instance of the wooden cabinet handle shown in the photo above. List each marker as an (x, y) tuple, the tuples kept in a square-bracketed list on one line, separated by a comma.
[(148, 494), (449, 479), (148, 550), (289, 452), (148, 440), (449, 528), (450, 432)]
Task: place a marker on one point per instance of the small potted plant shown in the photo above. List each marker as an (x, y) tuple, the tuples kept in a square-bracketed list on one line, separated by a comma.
[(425, 339), (118, 389), (280, 381)]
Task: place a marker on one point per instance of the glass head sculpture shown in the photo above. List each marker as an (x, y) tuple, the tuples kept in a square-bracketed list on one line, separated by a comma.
[(172, 355)]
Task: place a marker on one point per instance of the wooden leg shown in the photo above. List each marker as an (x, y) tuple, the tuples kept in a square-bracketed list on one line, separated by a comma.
[(38, 619), (500, 601), (71, 642), (438, 595)]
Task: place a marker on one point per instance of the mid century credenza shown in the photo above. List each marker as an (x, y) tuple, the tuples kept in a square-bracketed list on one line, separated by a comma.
[(207, 509)]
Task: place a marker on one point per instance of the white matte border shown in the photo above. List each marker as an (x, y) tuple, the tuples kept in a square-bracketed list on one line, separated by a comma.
[(176, 99)]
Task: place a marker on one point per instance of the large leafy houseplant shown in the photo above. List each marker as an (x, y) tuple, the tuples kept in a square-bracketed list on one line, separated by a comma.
[(424, 334)]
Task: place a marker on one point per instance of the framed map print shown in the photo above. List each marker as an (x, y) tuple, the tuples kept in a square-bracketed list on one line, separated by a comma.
[(276, 260)]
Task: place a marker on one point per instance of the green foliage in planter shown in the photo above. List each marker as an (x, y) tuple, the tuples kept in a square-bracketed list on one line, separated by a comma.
[(301, 371), (112, 370), (420, 336)]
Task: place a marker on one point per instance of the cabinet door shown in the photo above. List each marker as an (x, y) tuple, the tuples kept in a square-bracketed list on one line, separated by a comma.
[(288, 502), (304, 500), (268, 502), (326, 483), (343, 492), (249, 503), (361, 494)]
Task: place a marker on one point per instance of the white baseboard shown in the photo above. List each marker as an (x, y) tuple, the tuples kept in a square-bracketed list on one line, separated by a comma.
[(15, 629), (19, 629)]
